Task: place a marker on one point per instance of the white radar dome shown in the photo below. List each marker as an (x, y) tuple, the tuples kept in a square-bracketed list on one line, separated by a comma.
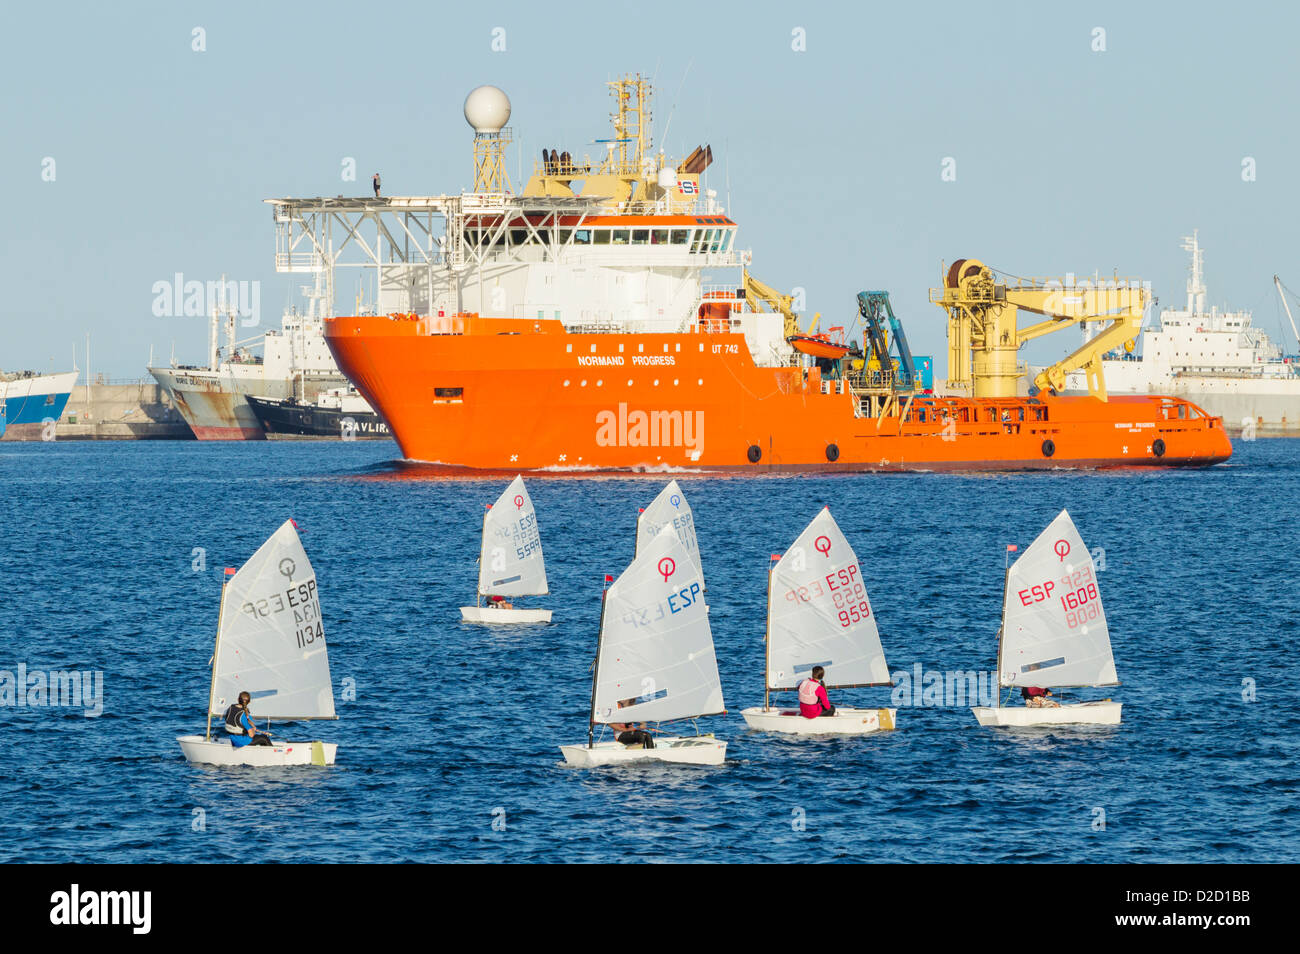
[(487, 109)]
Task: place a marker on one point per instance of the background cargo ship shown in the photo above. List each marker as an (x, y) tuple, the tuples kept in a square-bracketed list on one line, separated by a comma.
[(31, 399), (605, 318), (295, 363), (1215, 358), (340, 412)]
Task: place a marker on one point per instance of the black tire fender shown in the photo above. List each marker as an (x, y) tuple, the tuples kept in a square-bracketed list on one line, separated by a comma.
[(1049, 447), (755, 453)]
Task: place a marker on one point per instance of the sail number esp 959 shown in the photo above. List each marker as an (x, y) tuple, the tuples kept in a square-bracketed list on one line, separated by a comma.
[(844, 587)]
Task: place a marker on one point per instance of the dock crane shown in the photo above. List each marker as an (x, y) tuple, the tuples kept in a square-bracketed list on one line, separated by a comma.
[(984, 337)]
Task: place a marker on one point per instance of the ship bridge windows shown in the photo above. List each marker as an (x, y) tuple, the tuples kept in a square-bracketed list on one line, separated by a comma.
[(705, 240)]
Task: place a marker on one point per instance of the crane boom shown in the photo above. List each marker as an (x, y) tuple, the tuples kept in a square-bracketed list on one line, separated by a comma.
[(1278, 282), (759, 293), (984, 336)]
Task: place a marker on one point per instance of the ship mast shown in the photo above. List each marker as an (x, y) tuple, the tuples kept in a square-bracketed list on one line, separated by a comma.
[(1196, 281), (487, 109)]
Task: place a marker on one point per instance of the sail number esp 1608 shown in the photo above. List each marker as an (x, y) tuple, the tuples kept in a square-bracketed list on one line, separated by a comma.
[(1080, 602)]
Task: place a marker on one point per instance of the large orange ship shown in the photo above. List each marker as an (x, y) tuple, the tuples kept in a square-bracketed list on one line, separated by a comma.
[(587, 323)]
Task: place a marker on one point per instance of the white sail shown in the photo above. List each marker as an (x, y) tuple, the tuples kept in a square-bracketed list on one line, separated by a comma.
[(670, 509), (511, 563), (272, 641), (819, 613), (656, 649), (1053, 626)]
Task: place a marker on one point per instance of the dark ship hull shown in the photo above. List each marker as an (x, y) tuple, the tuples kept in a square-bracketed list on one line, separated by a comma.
[(288, 418)]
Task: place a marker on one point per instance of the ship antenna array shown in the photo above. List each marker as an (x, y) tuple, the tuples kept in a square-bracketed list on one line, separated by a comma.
[(673, 108)]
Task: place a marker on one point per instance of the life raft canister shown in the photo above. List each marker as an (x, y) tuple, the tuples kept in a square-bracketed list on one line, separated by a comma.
[(808, 692)]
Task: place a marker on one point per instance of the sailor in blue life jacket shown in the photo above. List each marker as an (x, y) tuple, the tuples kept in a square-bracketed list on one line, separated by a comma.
[(239, 724)]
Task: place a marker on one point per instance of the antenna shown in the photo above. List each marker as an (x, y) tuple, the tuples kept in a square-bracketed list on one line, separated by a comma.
[(673, 108), (726, 145)]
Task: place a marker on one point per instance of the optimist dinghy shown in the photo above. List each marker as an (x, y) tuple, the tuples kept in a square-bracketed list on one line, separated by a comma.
[(818, 614), (270, 644), (654, 660), (670, 509), (1053, 632), (510, 561)]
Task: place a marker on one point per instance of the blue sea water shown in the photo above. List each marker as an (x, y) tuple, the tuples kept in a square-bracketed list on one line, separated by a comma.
[(456, 726)]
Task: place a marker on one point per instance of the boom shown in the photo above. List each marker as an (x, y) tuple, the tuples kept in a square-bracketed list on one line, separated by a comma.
[(984, 336), (1278, 282), (759, 293)]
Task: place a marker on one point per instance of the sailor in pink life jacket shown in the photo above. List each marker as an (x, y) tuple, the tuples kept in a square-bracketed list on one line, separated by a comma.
[(813, 701)]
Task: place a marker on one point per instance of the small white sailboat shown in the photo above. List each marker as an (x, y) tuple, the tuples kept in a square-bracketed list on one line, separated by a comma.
[(818, 614), (270, 644), (670, 509), (655, 661), (1054, 632), (510, 561)]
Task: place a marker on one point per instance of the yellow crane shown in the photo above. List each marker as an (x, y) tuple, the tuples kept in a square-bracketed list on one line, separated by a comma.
[(984, 336), (759, 293)]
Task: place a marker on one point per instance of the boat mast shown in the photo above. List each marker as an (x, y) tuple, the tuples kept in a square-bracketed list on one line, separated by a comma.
[(482, 554), (595, 672), (767, 639), (216, 652), (1006, 580)]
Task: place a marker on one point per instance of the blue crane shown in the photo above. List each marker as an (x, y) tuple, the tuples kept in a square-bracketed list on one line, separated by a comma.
[(881, 326)]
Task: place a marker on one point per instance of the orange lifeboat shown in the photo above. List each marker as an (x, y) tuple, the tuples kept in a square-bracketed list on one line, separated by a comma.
[(819, 346)]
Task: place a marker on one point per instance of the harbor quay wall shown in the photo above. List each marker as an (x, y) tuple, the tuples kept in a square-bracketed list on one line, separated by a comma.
[(112, 410)]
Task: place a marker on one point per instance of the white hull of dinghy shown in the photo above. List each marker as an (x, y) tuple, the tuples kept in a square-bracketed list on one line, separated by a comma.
[(481, 614), (1104, 712), (685, 750), (846, 721), (220, 752)]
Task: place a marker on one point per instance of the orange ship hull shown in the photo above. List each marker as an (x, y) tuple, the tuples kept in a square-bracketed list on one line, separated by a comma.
[(518, 394)]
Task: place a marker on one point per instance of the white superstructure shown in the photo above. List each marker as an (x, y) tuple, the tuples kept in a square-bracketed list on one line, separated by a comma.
[(1214, 358), (625, 242)]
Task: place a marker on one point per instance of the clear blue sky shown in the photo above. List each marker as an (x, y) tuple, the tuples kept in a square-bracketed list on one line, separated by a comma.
[(1067, 159)]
